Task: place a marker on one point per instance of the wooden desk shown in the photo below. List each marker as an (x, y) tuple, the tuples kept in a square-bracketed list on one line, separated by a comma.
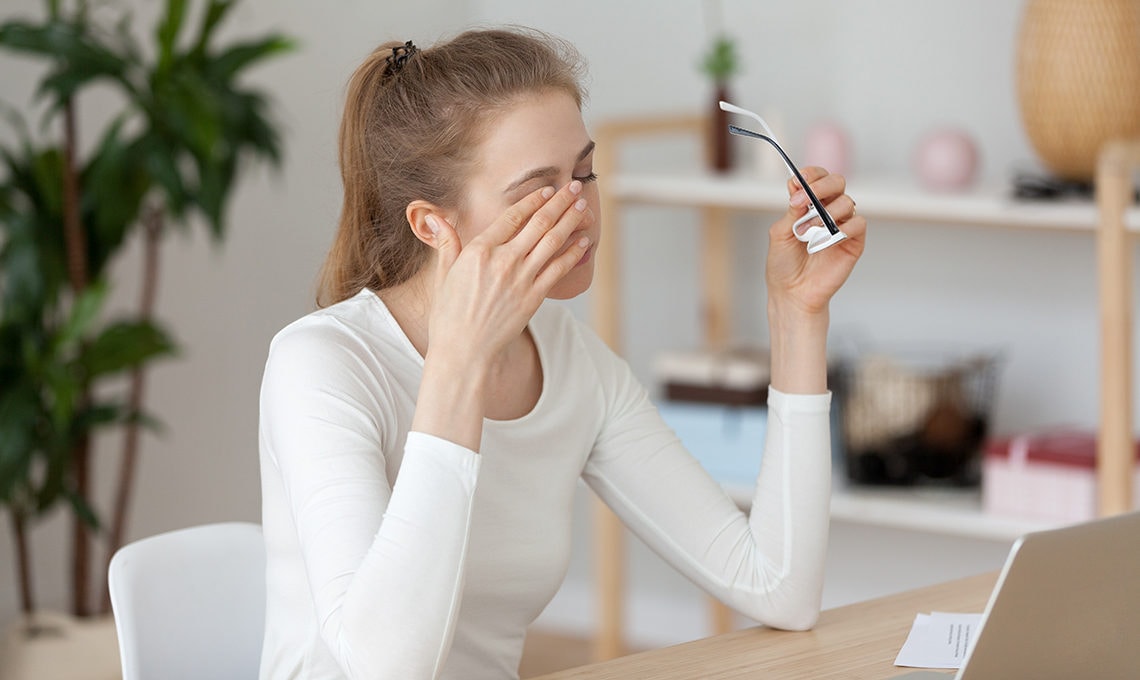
[(859, 641)]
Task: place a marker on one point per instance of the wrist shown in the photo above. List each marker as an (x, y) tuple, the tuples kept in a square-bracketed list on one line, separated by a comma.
[(785, 314), (452, 399), (798, 341)]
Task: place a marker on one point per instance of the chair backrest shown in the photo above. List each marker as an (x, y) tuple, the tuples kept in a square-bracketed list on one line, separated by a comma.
[(191, 603)]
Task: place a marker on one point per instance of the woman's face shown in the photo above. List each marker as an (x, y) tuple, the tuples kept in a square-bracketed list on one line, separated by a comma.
[(540, 141)]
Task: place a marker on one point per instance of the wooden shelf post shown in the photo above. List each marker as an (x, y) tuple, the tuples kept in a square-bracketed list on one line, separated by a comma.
[(1115, 447)]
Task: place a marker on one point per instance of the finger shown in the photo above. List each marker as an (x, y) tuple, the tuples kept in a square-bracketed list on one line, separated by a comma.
[(547, 217), (856, 228), (555, 239), (447, 244), (842, 208), (561, 265), (811, 173), (516, 216), (825, 189)]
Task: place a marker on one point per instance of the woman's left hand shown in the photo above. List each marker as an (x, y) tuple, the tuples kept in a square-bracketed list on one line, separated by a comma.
[(803, 282)]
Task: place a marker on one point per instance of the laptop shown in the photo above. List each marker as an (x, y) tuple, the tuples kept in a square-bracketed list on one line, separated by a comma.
[(1067, 605)]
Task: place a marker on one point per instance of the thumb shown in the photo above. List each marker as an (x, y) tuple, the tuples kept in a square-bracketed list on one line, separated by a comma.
[(447, 245)]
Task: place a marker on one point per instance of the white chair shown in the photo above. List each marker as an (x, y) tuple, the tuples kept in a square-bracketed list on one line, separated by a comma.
[(191, 603)]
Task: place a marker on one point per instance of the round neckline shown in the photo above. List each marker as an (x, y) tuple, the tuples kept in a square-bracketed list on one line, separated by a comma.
[(538, 346)]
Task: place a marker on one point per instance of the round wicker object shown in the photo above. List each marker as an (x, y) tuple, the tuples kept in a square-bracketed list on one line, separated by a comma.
[(1078, 79)]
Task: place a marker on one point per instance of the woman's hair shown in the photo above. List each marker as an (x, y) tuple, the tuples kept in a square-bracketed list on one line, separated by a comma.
[(412, 121)]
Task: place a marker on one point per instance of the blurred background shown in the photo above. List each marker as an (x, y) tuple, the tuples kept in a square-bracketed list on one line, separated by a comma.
[(887, 71)]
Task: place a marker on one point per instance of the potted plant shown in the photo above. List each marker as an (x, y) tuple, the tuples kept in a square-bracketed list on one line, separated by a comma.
[(186, 126), (720, 63)]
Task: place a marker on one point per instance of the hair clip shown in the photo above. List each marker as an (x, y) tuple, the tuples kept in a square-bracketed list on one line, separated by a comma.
[(816, 237), (400, 56)]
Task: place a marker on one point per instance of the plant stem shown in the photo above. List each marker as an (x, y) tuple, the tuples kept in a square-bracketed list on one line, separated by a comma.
[(24, 564), (72, 227), (81, 534), (153, 227), (77, 272)]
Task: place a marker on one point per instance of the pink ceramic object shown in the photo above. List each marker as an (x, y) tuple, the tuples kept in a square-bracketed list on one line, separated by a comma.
[(946, 159), (827, 145)]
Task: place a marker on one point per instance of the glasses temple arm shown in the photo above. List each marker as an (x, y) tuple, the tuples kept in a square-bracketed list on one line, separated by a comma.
[(823, 214)]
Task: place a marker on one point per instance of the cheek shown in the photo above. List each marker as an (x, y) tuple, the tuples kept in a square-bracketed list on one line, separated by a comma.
[(476, 217), (593, 196)]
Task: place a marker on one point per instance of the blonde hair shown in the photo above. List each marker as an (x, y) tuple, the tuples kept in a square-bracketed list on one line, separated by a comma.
[(412, 121)]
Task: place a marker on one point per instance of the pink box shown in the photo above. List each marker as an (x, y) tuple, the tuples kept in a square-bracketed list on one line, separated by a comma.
[(1047, 476)]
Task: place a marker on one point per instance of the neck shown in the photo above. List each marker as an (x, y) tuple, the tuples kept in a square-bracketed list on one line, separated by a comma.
[(410, 304)]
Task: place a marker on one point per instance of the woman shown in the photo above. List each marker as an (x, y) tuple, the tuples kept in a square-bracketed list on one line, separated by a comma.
[(422, 434)]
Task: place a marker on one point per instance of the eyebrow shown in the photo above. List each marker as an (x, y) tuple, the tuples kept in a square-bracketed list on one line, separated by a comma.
[(547, 171)]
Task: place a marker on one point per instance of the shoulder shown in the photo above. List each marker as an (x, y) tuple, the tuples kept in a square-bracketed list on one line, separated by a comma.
[(359, 320), (347, 341)]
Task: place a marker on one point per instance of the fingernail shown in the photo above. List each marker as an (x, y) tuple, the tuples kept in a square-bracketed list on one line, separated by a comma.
[(575, 187), (548, 192), (584, 242), (580, 205), (432, 223), (798, 199)]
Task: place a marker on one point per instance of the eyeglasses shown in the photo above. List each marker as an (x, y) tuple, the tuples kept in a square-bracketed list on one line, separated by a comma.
[(816, 236)]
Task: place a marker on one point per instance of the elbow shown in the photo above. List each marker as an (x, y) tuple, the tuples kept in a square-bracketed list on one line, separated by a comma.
[(801, 619), (791, 609)]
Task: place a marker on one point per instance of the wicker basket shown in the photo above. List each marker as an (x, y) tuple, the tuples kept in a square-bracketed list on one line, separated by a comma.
[(1078, 79), (913, 418)]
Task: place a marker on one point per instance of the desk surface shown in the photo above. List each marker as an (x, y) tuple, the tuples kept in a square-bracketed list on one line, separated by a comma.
[(859, 641)]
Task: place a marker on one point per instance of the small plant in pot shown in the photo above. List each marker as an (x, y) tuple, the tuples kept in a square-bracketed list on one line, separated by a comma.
[(720, 63), (184, 128)]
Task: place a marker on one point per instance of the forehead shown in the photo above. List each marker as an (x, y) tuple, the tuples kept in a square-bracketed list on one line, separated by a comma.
[(538, 130)]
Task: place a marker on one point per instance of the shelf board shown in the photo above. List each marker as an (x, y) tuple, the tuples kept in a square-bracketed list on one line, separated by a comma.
[(949, 512), (879, 198)]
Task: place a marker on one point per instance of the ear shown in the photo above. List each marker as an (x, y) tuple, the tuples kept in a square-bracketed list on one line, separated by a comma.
[(417, 212)]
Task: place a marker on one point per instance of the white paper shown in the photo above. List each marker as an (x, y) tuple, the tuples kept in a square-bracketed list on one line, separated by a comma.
[(938, 640)]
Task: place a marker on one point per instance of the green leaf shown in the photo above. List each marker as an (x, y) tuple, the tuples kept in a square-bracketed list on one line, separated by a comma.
[(211, 18), (19, 419), (82, 508), (159, 160), (124, 345), (78, 58), (721, 63), (226, 65), (115, 183), (83, 313), (167, 32)]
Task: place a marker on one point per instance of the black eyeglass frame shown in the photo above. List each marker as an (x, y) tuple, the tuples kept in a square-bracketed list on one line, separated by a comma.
[(824, 216)]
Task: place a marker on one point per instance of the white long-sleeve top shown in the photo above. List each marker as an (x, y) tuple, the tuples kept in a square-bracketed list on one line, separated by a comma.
[(399, 555)]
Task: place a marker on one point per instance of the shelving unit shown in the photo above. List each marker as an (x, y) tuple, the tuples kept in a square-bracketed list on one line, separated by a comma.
[(879, 198), (947, 512)]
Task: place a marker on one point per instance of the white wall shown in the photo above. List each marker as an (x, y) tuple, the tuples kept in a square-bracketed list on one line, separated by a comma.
[(888, 70)]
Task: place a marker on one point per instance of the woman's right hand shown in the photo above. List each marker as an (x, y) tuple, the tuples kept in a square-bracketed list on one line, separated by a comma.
[(487, 290), (485, 294)]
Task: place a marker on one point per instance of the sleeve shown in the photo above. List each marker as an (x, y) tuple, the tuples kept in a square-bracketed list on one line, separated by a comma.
[(384, 560), (767, 564)]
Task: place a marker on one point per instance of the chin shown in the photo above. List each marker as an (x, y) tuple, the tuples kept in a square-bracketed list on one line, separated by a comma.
[(573, 284)]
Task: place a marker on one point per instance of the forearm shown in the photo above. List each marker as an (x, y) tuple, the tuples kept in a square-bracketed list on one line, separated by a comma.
[(799, 348), (451, 400)]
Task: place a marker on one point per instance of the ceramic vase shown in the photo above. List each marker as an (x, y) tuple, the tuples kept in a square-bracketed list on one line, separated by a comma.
[(720, 139)]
